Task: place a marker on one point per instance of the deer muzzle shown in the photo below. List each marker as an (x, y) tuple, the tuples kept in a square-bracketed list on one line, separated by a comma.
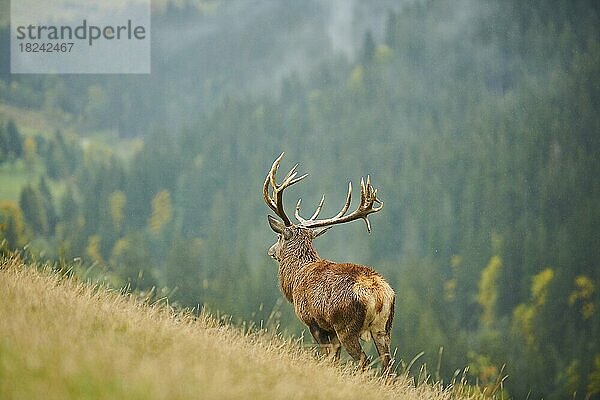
[(273, 252)]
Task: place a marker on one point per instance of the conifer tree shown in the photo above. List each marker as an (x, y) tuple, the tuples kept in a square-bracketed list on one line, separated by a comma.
[(14, 139), (33, 210), (368, 48)]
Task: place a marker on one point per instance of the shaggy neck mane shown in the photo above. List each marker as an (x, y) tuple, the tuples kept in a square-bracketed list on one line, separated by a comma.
[(297, 254)]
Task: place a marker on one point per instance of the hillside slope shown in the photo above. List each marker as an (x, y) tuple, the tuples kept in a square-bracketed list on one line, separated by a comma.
[(64, 339)]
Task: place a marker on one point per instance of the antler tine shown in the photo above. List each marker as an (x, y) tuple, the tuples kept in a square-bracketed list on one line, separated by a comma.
[(368, 224), (347, 203), (318, 210), (292, 172), (298, 179), (275, 201), (297, 213), (315, 214), (363, 190), (271, 179)]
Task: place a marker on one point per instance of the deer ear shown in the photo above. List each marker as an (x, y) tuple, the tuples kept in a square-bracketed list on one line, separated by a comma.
[(279, 227), (276, 225)]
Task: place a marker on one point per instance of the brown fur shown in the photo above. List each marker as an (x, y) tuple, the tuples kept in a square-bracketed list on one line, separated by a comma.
[(338, 302)]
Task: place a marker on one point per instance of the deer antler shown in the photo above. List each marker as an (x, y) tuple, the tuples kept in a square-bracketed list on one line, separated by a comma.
[(368, 197), (275, 202)]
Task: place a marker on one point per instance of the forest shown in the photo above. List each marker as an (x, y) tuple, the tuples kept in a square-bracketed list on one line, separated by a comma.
[(478, 122)]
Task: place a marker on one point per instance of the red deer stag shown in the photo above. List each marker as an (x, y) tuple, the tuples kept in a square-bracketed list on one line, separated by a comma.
[(339, 303)]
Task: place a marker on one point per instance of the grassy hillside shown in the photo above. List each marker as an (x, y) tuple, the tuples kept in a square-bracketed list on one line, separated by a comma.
[(64, 339)]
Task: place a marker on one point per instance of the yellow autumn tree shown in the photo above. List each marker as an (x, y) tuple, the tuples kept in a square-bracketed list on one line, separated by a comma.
[(356, 82), (488, 290), (583, 296), (540, 285), (30, 149), (162, 211), (450, 284), (92, 249), (121, 246), (12, 224), (383, 54), (593, 386), (524, 314), (116, 205)]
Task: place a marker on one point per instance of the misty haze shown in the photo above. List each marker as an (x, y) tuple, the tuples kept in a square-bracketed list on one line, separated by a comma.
[(477, 121)]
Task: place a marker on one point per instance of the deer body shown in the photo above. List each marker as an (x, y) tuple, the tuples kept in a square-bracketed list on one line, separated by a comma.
[(340, 303)]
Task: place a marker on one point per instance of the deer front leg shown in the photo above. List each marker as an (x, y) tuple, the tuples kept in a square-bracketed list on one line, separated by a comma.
[(335, 348), (321, 336)]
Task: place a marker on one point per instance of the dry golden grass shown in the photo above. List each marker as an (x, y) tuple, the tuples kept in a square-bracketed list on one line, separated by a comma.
[(65, 339)]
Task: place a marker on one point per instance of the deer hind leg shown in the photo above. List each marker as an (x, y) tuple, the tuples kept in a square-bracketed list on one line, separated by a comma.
[(382, 343), (350, 341), (352, 346), (322, 337), (382, 339)]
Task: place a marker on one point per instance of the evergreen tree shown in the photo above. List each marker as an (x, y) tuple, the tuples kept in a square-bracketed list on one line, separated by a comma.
[(391, 30), (48, 204), (132, 262), (33, 210), (3, 144), (368, 48), (14, 140), (183, 272), (69, 208)]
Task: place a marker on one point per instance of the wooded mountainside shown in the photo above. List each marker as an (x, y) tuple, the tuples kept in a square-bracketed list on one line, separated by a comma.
[(478, 121)]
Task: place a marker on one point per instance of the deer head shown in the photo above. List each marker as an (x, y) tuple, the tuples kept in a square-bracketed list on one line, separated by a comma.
[(297, 237)]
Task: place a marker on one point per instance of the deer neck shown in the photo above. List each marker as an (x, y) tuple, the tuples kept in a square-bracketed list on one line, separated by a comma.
[(292, 265)]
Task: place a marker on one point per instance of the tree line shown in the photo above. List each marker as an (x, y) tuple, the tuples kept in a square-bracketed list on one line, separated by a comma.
[(483, 140)]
